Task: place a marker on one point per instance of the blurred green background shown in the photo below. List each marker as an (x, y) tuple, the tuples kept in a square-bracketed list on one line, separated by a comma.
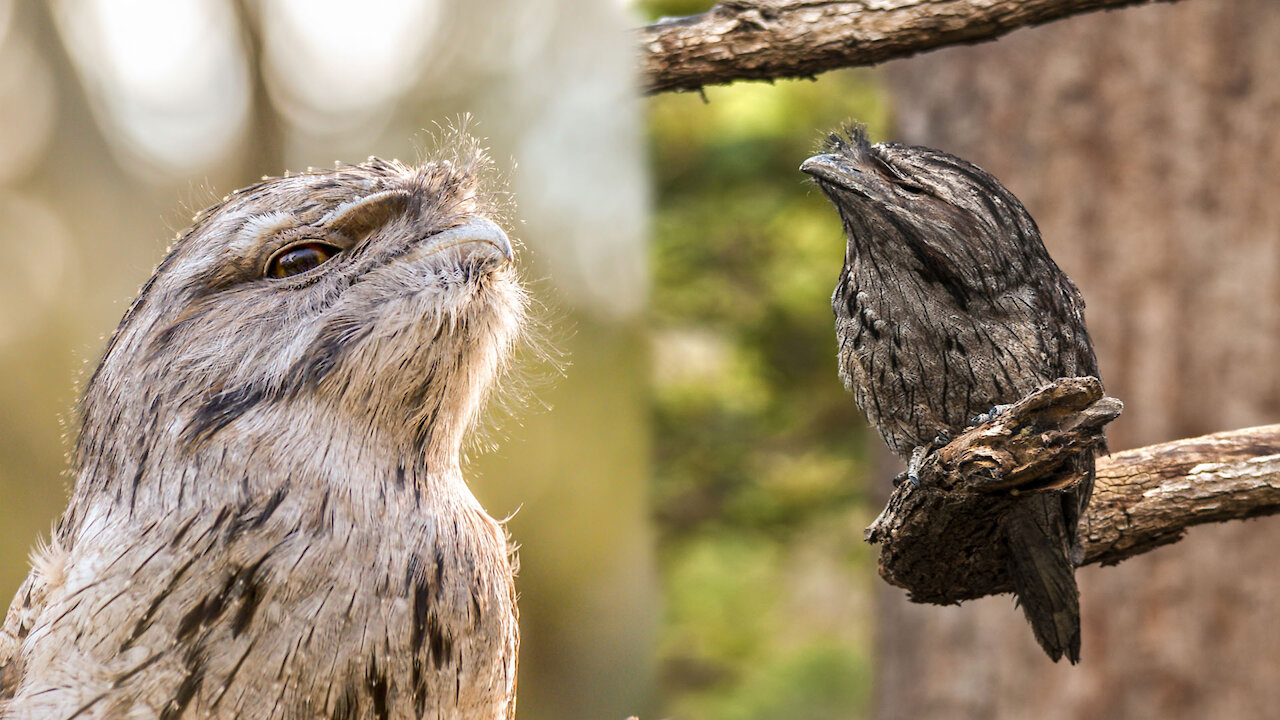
[(760, 493), (760, 486), (691, 479)]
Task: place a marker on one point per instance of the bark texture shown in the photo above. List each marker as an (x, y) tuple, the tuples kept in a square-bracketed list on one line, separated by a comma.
[(1145, 145), (940, 541), (1150, 496), (961, 533), (766, 39)]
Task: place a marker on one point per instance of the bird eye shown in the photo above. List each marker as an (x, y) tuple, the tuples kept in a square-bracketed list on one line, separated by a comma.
[(900, 178), (297, 259)]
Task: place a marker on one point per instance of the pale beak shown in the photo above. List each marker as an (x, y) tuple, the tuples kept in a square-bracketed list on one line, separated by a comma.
[(477, 230), (832, 168), (840, 172)]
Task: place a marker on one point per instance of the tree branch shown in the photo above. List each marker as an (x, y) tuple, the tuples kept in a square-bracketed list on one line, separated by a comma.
[(767, 39), (943, 542), (1148, 497)]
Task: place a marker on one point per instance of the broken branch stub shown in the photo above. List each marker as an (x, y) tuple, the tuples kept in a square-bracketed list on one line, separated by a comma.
[(942, 541)]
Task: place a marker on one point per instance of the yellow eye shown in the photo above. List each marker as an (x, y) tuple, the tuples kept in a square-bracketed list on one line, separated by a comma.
[(297, 259)]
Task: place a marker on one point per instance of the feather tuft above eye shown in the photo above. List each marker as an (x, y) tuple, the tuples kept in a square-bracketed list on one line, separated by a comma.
[(852, 142), (358, 218)]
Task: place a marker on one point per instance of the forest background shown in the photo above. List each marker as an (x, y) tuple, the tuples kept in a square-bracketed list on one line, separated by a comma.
[(691, 480)]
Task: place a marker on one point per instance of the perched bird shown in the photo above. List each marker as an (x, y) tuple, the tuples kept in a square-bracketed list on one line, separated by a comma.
[(268, 518), (947, 307)]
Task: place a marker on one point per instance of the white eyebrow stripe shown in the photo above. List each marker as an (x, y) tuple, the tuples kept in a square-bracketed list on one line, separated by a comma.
[(262, 226), (342, 209)]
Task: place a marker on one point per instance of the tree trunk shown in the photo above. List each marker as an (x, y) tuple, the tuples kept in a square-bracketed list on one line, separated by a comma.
[(1145, 144)]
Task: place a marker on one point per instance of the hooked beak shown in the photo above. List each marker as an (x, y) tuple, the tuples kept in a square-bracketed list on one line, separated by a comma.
[(836, 170), (477, 230)]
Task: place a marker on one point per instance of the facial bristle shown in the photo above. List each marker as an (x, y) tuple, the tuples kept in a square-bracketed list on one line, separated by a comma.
[(852, 141)]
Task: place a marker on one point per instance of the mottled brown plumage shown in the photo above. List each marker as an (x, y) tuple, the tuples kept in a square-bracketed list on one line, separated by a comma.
[(949, 305), (269, 520)]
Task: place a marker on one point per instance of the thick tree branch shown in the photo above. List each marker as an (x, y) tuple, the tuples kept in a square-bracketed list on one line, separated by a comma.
[(943, 542), (1148, 497), (767, 39)]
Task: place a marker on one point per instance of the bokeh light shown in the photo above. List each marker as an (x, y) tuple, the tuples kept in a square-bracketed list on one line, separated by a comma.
[(168, 78), (120, 119), (333, 65), (27, 99)]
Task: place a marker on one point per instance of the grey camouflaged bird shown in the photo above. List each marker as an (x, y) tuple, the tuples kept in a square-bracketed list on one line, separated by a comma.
[(948, 306), (268, 518)]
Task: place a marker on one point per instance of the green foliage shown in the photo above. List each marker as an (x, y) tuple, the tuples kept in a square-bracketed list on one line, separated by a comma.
[(654, 9), (759, 449)]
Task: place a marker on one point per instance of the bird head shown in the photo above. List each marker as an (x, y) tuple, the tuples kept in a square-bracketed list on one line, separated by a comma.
[(919, 208), (381, 295)]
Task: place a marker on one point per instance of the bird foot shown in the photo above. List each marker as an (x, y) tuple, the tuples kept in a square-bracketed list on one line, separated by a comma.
[(989, 415), (918, 456)]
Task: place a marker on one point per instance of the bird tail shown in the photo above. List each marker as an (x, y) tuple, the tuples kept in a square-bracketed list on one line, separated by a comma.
[(1043, 573)]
